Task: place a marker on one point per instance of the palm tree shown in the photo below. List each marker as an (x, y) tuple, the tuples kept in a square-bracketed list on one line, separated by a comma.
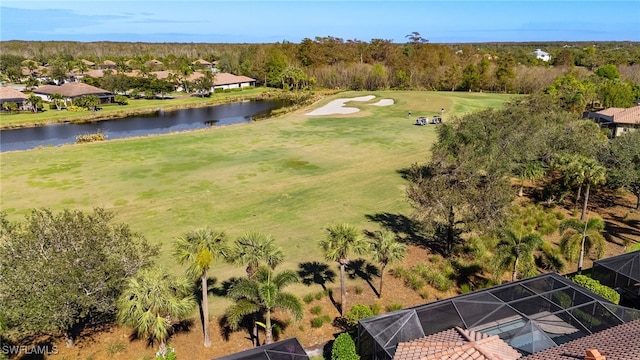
[(253, 249), (516, 252), (198, 249), (58, 100), (531, 171), (342, 239), (385, 249), (594, 175), (153, 301), (263, 293), (579, 237), (34, 100)]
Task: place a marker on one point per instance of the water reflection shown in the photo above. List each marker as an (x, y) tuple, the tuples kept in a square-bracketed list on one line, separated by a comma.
[(160, 122)]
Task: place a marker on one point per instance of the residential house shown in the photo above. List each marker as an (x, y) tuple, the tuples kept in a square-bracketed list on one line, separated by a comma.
[(541, 55), (154, 64), (456, 343), (9, 95), (72, 91), (202, 64), (617, 120), (230, 81), (108, 64), (289, 349), (88, 62), (621, 342)]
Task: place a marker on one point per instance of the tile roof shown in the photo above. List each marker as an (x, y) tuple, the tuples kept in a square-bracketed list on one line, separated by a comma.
[(623, 115), (87, 62), (8, 93), (458, 344), (201, 62), (620, 342), (70, 89), (226, 79)]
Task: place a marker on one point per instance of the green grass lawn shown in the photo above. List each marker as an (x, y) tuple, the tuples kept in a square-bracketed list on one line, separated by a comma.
[(290, 176)]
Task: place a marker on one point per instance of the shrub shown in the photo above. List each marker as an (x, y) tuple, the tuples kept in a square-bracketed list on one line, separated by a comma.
[(114, 348), (318, 321), (375, 308), (169, 353), (316, 310), (121, 100), (359, 289), (414, 281), (465, 288), (307, 298), (319, 295), (88, 138), (595, 286), (357, 312), (344, 348), (425, 294), (394, 306)]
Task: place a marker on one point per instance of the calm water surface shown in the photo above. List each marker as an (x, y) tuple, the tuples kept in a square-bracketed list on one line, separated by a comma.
[(161, 122)]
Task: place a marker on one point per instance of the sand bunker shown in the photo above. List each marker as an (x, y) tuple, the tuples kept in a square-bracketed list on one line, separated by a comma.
[(384, 102), (337, 106)]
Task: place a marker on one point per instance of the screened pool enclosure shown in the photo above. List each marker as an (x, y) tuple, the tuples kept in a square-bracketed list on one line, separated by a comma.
[(622, 273), (531, 315), (289, 349)]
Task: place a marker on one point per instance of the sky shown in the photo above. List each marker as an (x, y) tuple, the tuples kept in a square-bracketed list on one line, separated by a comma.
[(244, 21)]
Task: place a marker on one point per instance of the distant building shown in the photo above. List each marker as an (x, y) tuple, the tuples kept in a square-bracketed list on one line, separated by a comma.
[(10, 95), (541, 55), (72, 91), (618, 120)]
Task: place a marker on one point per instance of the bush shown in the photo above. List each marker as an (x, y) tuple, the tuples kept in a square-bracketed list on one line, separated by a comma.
[(357, 312), (316, 310), (121, 100), (359, 289), (595, 286), (114, 348), (307, 298), (394, 306), (318, 321), (87, 138), (344, 348), (319, 295)]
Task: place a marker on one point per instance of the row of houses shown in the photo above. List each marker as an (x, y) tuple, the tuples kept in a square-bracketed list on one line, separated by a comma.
[(74, 90)]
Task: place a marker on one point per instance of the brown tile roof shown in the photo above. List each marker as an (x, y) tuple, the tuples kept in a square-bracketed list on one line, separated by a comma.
[(11, 94), (620, 342), (109, 63), (70, 89), (458, 344), (623, 115), (201, 62), (87, 62), (226, 79), (161, 75)]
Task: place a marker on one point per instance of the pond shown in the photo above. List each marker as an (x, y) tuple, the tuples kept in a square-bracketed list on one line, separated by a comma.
[(159, 122)]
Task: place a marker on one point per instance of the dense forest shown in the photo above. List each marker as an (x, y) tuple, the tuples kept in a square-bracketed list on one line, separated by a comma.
[(335, 63)]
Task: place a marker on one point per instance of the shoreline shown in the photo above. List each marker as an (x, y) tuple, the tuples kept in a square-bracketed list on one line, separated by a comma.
[(124, 113)]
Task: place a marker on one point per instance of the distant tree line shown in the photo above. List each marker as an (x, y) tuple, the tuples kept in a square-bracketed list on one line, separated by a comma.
[(331, 62)]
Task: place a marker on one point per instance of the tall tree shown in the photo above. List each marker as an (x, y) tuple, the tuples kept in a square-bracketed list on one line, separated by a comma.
[(82, 261), (263, 293), (582, 237), (253, 249), (153, 302), (594, 175), (516, 252), (342, 240), (199, 249), (385, 249), (34, 101), (623, 162)]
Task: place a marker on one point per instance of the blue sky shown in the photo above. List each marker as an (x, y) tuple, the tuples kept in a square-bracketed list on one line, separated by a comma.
[(243, 21)]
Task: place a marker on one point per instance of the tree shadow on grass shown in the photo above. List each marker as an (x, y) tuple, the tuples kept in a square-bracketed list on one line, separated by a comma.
[(246, 325), (360, 268), (318, 273), (409, 231)]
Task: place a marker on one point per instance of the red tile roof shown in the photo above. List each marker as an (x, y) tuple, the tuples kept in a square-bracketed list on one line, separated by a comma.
[(8, 94), (70, 89), (620, 342), (226, 79), (623, 115), (458, 344)]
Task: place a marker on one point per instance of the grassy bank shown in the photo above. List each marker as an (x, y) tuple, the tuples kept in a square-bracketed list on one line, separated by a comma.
[(135, 107), (289, 176)]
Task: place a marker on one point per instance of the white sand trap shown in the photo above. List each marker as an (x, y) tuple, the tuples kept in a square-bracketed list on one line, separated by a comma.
[(337, 106), (384, 102)]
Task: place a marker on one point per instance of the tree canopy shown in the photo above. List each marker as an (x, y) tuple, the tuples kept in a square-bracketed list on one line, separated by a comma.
[(64, 271)]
